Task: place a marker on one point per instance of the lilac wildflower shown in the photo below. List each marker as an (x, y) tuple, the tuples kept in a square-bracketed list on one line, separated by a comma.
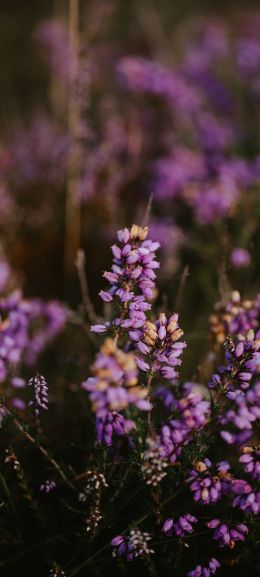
[(179, 527), (205, 571), (132, 277), (240, 258), (136, 544), (226, 535), (159, 347), (114, 385), (206, 487), (251, 461), (112, 424), (246, 498)]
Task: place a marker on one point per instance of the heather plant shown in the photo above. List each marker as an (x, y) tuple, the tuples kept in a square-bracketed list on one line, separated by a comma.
[(147, 467), (129, 416)]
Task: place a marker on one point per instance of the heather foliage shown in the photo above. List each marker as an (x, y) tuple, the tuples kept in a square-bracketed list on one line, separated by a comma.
[(129, 416), (169, 461)]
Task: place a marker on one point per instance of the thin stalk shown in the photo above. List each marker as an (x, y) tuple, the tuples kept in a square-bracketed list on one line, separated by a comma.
[(43, 451)]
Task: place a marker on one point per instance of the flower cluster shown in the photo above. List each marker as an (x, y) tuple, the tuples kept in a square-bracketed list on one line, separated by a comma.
[(206, 487), (191, 414), (234, 317), (251, 461), (237, 380), (112, 424), (132, 277), (26, 326), (158, 346), (136, 544), (225, 535), (114, 385), (154, 462), (94, 481), (93, 519), (246, 498), (179, 527), (205, 571), (40, 393)]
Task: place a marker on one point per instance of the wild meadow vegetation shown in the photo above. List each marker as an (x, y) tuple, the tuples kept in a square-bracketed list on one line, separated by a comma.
[(129, 304)]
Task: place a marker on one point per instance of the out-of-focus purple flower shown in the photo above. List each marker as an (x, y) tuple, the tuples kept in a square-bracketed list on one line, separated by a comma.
[(251, 461), (112, 424), (136, 544), (26, 326), (205, 571), (53, 37), (179, 527), (114, 385), (171, 239), (143, 75), (240, 258), (39, 153), (235, 317), (5, 272), (226, 535)]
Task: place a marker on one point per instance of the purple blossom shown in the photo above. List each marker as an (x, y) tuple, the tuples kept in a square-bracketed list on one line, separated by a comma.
[(159, 347), (112, 424), (205, 571), (114, 385), (191, 414), (226, 535), (179, 527), (246, 498), (208, 488), (132, 277), (240, 258), (251, 461), (136, 544)]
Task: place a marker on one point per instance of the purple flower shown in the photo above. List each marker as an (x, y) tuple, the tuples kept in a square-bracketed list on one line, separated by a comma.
[(112, 424), (251, 461), (226, 535), (205, 571), (135, 544), (114, 384), (180, 527), (240, 258), (247, 499), (206, 487), (132, 278), (159, 347), (191, 414)]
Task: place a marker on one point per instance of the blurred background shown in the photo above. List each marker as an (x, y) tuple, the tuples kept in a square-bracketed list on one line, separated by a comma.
[(146, 112)]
